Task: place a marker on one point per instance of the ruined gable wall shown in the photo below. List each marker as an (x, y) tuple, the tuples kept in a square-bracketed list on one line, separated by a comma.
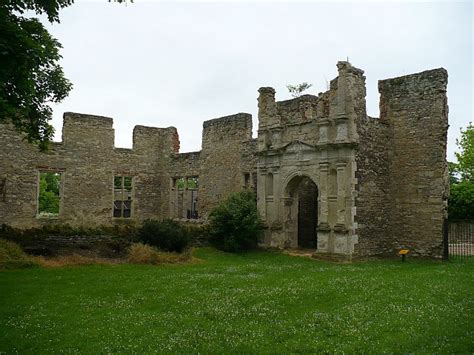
[(88, 162), (224, 143), (372, 188), (370, 175), (415, 108)]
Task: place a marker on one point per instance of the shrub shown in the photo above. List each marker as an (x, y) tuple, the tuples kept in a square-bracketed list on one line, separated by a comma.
[(167, 235), (235, 223), (12, 256), (199, 234), (139, 253)]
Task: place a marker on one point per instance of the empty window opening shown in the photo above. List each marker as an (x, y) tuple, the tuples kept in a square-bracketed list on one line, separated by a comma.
[(192, 183), (254, 180), (186, 197), (123, 196), (49, 193), (180, 183)]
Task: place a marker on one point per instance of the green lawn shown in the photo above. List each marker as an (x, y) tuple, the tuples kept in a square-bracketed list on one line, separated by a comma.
[(258, 302)]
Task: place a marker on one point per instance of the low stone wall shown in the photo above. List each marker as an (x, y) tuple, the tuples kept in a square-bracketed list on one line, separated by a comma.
[(49, 245)]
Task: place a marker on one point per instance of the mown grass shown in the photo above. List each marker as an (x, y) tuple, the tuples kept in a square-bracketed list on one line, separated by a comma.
[(258, 302)]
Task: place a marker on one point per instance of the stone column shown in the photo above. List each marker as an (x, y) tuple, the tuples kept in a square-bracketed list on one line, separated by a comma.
[(341, 111), (323, 194), (341, 194), (267, 109), (342, 114)]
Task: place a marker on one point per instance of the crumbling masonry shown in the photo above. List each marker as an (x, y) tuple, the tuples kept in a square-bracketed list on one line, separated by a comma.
[(327, 176)]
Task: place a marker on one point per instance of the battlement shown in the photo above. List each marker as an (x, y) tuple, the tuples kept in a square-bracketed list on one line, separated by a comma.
[(237, 120), (155, 139), (92, 121), (426, 82), (232, 127)]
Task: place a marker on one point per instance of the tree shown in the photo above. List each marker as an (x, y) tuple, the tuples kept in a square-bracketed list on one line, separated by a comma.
[(235, 224), (30, 75), (49, 197), (461, 174), (296, 90), (465, 156)]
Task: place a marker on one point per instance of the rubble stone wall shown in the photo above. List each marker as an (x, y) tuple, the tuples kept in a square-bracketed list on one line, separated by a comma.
[(88, 162), (416, 112), (382, 183)]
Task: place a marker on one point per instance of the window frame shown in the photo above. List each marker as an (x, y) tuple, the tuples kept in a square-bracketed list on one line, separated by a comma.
[(43, 170), (123, 191)]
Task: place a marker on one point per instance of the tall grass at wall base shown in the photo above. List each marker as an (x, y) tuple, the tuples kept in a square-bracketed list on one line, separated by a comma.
[(145, 254), (13, 257)]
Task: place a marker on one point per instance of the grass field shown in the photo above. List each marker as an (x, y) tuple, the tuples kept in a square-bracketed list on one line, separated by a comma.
[(259, 302)]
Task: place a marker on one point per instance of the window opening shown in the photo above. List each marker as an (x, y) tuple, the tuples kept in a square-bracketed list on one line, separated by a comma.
[(122, 196), (49, 194)]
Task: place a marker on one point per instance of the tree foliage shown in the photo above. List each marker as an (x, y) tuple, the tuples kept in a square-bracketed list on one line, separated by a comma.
[(297, 90), (235, 223), (30, 75), (465, 156), (461, 201), (461, 174), (48, 198)]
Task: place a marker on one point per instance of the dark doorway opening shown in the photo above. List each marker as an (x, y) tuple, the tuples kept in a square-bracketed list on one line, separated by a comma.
[(307, 213)]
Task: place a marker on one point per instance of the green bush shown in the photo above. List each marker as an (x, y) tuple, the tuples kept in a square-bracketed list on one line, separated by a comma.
[(235, 223), (461, 201), (167, 235)]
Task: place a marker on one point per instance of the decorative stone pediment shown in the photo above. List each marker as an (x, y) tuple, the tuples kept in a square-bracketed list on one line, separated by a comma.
[(297, 146)]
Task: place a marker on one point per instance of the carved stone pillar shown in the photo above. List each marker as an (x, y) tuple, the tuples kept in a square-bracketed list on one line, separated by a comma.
[(341, 194), (323, 195), (323, 130)]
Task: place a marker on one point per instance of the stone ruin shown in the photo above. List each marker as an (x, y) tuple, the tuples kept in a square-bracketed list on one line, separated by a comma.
[(327, 176)]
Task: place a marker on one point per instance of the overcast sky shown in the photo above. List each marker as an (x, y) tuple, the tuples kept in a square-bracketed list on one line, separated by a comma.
[(181, 63)]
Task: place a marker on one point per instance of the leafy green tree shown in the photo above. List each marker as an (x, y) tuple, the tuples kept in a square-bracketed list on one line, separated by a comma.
[(30, 75), (461, 199), (465, 156), (297, 90), (235, 224)]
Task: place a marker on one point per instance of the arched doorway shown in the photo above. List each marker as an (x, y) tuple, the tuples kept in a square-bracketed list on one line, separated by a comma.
[(303, 194)]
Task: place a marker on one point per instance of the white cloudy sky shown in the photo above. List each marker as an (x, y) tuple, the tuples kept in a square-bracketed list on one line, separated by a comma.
[(181, 63)]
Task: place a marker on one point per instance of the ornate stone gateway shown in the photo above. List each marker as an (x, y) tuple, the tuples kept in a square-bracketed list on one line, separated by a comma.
[(333, 179)]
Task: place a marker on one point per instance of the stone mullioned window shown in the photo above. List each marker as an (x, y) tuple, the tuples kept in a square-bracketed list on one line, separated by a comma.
[(123, 196)]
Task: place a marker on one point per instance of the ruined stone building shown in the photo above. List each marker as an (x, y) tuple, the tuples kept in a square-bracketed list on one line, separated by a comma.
[(327, 176)]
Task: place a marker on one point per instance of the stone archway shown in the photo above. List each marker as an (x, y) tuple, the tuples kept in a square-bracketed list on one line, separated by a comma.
[(302, 216)]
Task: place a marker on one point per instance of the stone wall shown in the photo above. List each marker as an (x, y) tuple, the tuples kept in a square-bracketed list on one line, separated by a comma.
[(222, 161), (415, 109), (372, 188), (382, 183), (88, 162)]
